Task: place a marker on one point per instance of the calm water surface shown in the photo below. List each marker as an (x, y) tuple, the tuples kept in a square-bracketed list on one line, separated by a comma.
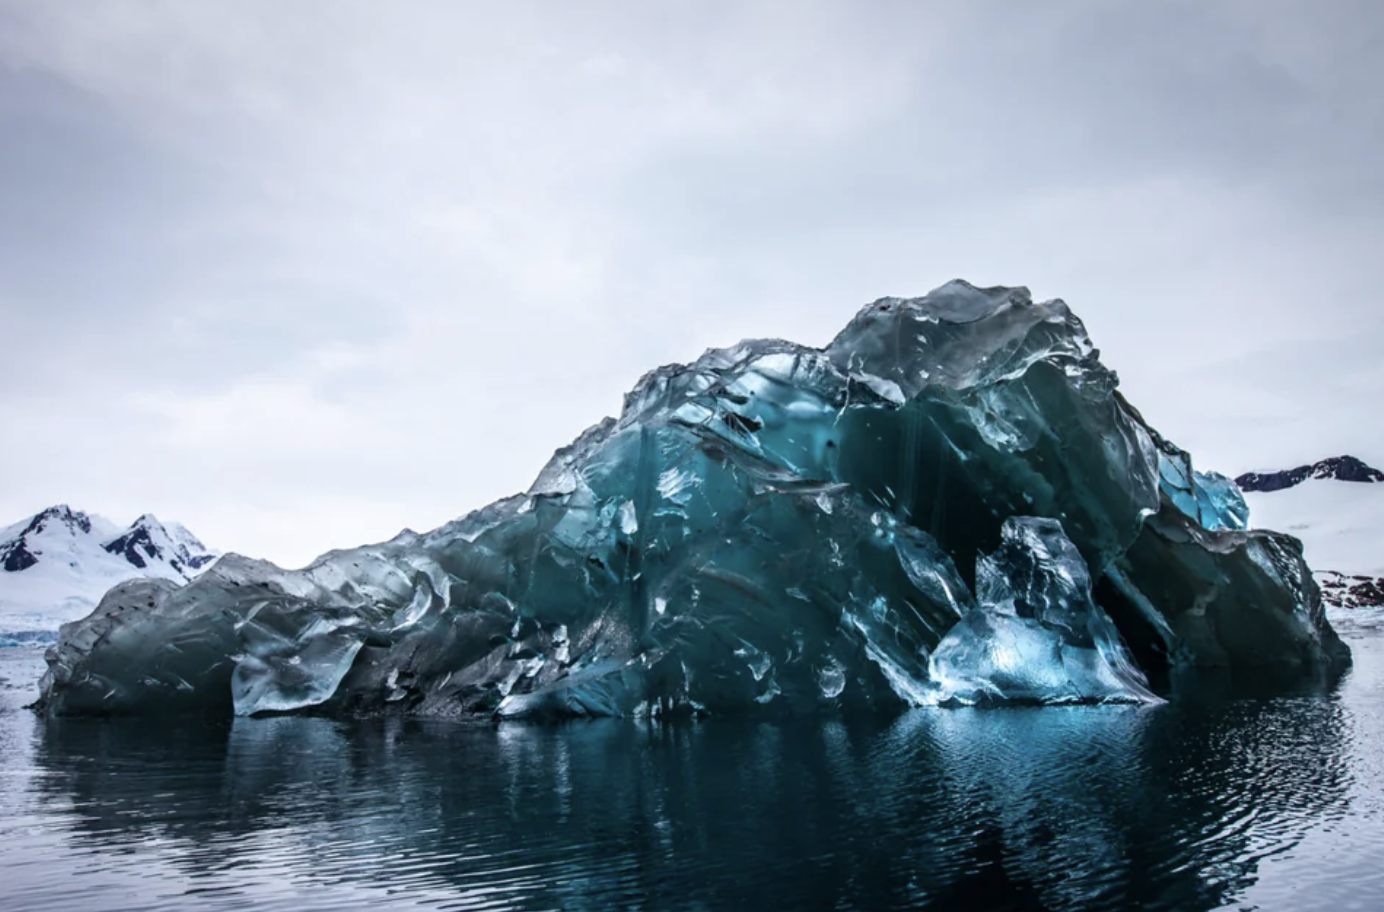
[(1219, 802)]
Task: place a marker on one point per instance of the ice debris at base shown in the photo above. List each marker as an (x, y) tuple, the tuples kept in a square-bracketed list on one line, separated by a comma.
[(773, 527)]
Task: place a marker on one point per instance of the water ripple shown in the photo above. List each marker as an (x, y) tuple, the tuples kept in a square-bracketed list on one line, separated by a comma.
[(1225, 800)]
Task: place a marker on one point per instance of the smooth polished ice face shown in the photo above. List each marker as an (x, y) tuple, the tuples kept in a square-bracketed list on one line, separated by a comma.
[(772, 526)]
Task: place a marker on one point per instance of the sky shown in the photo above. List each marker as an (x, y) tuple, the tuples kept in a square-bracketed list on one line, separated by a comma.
[(301, 275)]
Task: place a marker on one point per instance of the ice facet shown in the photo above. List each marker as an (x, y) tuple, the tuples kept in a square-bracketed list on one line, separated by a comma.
[(1220, 503), (1210, 498), (1036, 635), (950, 499)]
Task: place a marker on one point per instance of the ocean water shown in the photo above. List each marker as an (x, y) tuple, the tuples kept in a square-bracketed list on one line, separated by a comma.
[(1229, 799)]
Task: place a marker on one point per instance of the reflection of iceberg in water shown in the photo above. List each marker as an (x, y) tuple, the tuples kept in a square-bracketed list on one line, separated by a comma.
[(1170, 806)]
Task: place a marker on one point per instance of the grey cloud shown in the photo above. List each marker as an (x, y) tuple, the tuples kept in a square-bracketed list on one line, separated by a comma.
[(310, 273)]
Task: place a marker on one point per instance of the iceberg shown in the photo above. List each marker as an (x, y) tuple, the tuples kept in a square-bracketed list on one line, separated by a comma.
[(949, 503)]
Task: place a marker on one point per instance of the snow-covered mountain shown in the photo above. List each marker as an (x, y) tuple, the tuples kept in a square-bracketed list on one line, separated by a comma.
[(1336, 507), (56, 565)]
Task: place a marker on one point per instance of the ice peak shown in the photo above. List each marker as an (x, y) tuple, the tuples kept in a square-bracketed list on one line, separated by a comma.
[(958, 301), (961, 337)]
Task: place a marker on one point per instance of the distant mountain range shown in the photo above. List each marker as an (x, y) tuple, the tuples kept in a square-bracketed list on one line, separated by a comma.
[(1336, 507), (1338, 468), (56, 565)]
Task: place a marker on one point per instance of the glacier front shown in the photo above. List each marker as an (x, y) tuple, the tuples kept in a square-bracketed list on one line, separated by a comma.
[(949, 504)]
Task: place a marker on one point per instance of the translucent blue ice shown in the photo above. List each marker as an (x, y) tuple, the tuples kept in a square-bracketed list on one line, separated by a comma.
[(1220, 504), (1209, 498), (770, 528), (1037, 635)]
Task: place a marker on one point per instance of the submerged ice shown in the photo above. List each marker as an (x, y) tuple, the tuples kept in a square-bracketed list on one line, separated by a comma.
[(950, 503)]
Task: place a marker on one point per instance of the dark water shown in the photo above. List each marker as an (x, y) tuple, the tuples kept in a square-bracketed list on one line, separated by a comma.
[(1239, 802)]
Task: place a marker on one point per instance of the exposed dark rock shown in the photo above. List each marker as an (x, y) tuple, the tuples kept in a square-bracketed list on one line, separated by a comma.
[(1341, 590), (1340, 468), (16, 556), (135, 546)]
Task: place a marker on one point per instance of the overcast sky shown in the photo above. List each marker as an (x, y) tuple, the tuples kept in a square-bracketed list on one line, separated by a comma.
[(301, 274)]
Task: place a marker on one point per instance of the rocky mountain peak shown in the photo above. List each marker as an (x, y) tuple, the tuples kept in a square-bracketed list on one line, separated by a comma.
[(1339, 468)]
